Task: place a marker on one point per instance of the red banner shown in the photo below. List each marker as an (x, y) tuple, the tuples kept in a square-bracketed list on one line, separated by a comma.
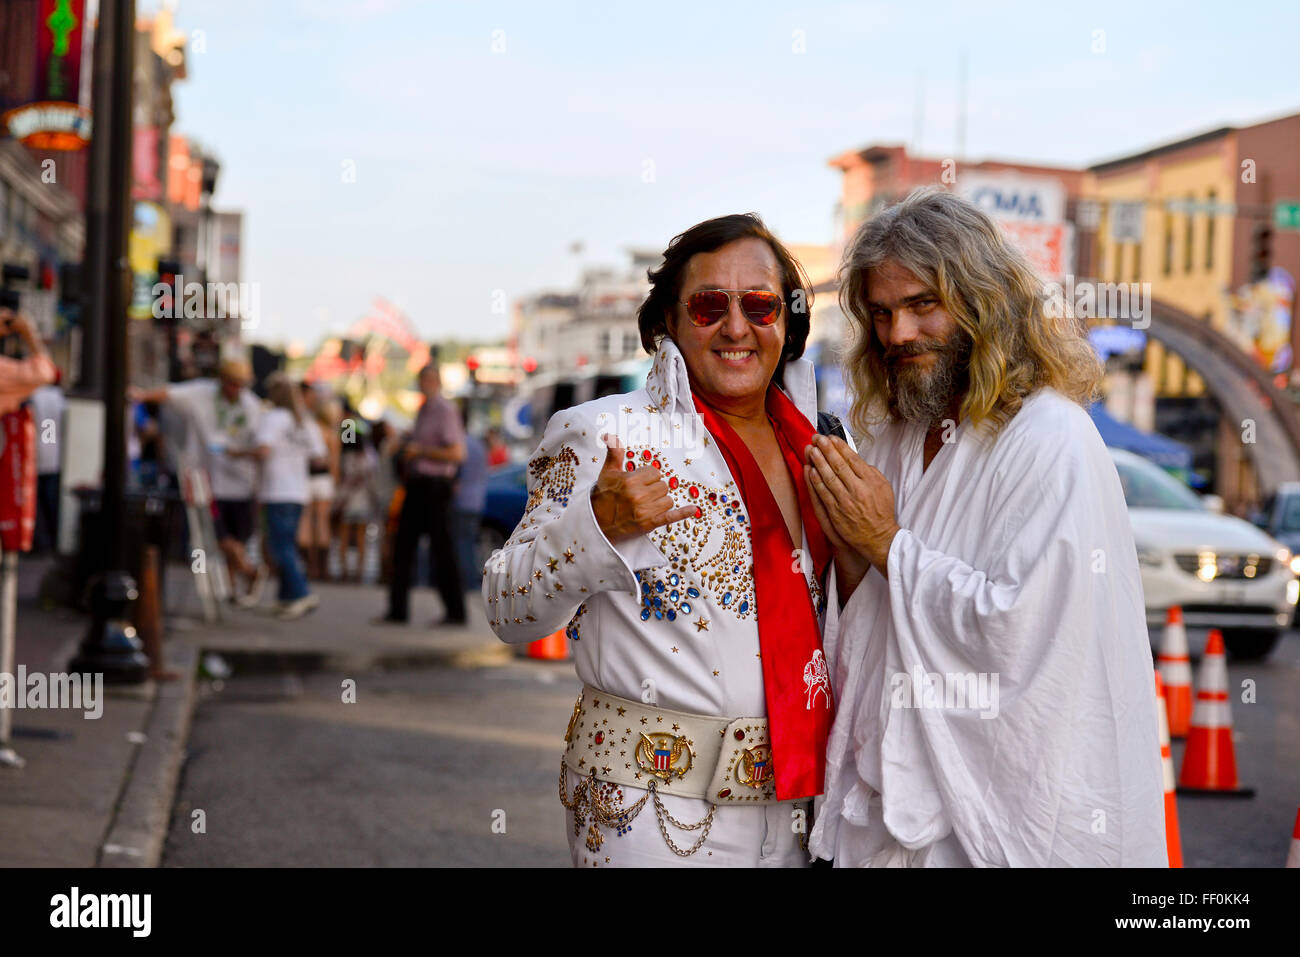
[(17, 480)]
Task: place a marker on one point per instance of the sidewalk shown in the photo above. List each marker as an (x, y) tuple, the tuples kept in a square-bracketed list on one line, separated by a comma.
[(98, 792)]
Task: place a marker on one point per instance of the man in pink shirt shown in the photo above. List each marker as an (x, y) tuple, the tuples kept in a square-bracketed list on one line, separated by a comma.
[(433, 454), (19, 378)]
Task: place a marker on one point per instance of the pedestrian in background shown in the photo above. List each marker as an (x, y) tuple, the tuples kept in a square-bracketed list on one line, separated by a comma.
[(357, 498), (431, 456), (497, 451), (222, 416), (287, 440), (471, 497), (19, 378), (314, 534), (389, 491)]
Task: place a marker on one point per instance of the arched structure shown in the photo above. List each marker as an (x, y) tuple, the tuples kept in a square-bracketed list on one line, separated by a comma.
[(1243, 389)]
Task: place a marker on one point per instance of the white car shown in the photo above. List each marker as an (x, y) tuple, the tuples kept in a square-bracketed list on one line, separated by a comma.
[(1224, 572)]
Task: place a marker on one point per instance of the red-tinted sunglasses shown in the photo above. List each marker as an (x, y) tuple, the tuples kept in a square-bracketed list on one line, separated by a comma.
[(711, 305)]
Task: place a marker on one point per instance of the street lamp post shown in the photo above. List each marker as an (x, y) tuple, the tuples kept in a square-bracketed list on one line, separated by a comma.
[(110, 646), (213, 326)]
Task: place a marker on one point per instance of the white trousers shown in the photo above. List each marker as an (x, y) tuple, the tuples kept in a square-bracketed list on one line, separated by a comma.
[(762, 835)]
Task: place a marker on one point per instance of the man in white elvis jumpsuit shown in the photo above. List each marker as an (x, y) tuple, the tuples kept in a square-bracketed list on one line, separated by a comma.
[(659, 524)]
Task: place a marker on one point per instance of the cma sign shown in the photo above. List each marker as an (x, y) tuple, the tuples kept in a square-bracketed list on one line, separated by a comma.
[(1024, 199)]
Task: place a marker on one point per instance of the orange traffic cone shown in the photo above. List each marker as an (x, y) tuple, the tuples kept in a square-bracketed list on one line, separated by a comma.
[(1172, 840), (1210, 762), (1176, 672), (554, 647), (1293, 857)]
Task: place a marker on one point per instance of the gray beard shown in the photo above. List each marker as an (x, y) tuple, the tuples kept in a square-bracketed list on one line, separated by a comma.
[(925, 396)]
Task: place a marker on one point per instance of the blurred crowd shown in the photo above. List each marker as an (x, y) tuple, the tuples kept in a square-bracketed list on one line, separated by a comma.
[(302, 488)]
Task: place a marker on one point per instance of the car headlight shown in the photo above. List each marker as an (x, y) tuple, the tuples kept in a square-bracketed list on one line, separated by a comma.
[(1293, 591), (1149, 556), (1283, 555), (1295, 564)]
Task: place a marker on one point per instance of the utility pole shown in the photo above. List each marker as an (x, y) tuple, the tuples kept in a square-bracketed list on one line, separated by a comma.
[(110, 646)]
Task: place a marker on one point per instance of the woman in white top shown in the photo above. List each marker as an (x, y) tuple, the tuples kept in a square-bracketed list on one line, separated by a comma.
[(287, 440)]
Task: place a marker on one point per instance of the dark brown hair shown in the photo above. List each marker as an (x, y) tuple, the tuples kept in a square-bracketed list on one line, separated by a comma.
[(705, 237)]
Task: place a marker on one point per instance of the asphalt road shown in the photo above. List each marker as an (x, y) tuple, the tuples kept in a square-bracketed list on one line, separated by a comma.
[(1252, 832), (417, 770), (437, 767)]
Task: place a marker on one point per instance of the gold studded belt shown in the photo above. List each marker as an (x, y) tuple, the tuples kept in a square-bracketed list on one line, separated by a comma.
[(723, 761)]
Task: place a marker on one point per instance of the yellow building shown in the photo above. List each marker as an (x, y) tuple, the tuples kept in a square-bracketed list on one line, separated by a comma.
[(1186, 217), (1186, 255)]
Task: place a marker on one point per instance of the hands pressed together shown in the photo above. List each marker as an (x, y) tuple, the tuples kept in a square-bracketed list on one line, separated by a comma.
[(853, 501), (854, 505)]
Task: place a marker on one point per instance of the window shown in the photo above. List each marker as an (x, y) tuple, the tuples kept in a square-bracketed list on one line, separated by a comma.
[(1188, 235), (1148, 486), (1169, 244), (1209, 233), (603, 349), (631, 342)]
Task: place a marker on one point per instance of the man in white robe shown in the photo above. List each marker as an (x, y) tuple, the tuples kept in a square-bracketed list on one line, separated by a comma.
[(991, 665)]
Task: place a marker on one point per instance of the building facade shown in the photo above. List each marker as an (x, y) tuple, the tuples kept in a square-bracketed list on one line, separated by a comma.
[(1195, 218)]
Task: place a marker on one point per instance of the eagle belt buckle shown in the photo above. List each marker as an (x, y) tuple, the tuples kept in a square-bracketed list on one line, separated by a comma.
[(664, 755), (745, 769)]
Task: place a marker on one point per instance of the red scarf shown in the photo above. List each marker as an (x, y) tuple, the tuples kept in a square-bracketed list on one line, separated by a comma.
[(799, 707)]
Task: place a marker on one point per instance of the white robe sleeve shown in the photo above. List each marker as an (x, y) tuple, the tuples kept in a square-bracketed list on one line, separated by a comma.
[(1060, 765), (557, 557)]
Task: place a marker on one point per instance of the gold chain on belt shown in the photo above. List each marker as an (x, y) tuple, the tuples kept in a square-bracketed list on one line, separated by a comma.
[(589, 807)]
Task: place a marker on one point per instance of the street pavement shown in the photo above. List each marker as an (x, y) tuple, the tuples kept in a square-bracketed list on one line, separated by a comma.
[(448, 755), (429, 767), (99, 792), (1252, 832)]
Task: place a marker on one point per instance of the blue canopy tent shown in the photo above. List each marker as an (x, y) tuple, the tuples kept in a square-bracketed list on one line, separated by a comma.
[(1156, 448)]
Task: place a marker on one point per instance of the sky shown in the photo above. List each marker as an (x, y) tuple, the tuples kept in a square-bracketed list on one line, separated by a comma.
[(448, 154)]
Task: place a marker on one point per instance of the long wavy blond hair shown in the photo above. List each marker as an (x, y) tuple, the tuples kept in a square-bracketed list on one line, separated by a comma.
[(988, 287)]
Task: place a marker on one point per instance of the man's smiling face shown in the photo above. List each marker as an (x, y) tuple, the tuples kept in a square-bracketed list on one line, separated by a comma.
[(733, 358)]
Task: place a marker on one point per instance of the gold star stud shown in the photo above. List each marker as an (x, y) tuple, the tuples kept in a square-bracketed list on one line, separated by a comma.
[(568, 556), (553, 564), (702, 625)]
